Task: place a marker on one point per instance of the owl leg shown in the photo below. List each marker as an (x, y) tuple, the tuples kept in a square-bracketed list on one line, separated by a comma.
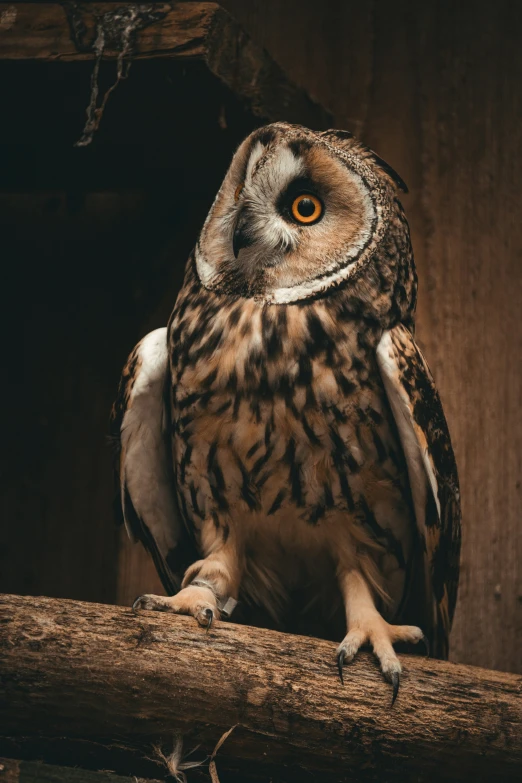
[(367, 626), (209, 589)]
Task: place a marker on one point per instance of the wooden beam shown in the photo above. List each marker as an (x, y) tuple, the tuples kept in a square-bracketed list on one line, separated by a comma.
[(15, 771), (67, 31), (101, 674), (71, 31)]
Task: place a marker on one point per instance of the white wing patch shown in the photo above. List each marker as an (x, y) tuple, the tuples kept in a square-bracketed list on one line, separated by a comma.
[(413, 440), (146, 469)]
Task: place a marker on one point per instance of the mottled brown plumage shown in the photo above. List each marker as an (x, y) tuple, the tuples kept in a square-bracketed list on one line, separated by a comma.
[(309, 458)]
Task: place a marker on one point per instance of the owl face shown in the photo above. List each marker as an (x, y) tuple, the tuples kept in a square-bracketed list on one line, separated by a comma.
[(299, 212)]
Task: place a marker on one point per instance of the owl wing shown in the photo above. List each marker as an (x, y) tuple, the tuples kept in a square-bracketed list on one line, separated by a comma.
[(140, 427), (432, 472)]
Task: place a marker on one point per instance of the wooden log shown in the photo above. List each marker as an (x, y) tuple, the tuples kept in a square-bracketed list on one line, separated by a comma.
[(104, 675), (71, 31)]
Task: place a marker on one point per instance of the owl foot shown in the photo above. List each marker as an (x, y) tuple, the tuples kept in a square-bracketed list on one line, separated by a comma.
[(200, 602), (382, 636)]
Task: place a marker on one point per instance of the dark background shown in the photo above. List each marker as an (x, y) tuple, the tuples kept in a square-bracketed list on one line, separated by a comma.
[(93, 248)]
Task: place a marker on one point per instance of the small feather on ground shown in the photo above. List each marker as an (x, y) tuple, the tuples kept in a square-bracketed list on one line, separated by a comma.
[(174, 763)]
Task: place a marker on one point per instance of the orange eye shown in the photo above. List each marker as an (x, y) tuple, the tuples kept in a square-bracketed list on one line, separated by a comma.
[(306, 208), (238, 190)]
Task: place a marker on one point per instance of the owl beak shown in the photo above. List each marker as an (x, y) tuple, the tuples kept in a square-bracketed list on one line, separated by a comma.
[(241, 236)]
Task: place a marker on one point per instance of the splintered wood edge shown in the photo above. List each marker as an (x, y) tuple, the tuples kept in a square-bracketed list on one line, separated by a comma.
[(66, 33)]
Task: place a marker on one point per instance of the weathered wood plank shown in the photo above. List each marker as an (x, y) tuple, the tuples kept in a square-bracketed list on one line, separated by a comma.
[(103, 674), (71, 31), (52, 31)]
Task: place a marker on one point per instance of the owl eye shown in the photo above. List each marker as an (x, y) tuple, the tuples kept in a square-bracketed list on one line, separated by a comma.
[(306, 208), (238, 190)]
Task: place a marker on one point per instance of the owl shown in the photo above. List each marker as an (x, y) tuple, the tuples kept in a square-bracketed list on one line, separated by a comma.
[(284, 453)]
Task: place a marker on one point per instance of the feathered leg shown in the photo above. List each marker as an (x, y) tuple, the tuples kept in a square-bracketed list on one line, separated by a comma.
[(209, 588), (366, 625)]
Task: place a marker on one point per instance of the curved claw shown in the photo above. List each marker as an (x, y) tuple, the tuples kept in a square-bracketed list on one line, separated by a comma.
[(136, 604), (210, 614), (396, 681), (426, 642), (340, 661)]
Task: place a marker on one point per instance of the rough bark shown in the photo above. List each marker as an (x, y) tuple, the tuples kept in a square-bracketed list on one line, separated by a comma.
[(102, 675), (71, 31)]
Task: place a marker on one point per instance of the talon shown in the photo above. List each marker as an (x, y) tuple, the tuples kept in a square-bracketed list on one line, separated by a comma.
[(136, 604), (426, 642), (340, 661), (396, 681), (210, 614)]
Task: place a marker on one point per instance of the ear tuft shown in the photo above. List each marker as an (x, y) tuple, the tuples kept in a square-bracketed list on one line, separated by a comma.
[(389, 171), (342, 135), (337, 134)]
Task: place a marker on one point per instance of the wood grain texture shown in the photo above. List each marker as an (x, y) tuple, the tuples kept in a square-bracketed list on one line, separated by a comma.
[(105, 675), (41, 31), (433, 87)]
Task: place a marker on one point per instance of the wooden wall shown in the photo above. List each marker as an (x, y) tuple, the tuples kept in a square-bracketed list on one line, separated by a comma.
[(434, 88), (94, 243)]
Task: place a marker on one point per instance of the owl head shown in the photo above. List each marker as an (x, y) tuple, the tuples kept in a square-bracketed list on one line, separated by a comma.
[(301, 214)]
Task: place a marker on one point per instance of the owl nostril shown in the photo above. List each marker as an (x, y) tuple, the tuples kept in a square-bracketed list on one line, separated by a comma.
[(240, 239)]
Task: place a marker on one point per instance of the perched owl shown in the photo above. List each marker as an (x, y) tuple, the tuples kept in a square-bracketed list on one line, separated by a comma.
[(283, 446)]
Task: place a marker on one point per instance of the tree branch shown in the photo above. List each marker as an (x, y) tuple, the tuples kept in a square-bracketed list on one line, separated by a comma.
[(102, 675)]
